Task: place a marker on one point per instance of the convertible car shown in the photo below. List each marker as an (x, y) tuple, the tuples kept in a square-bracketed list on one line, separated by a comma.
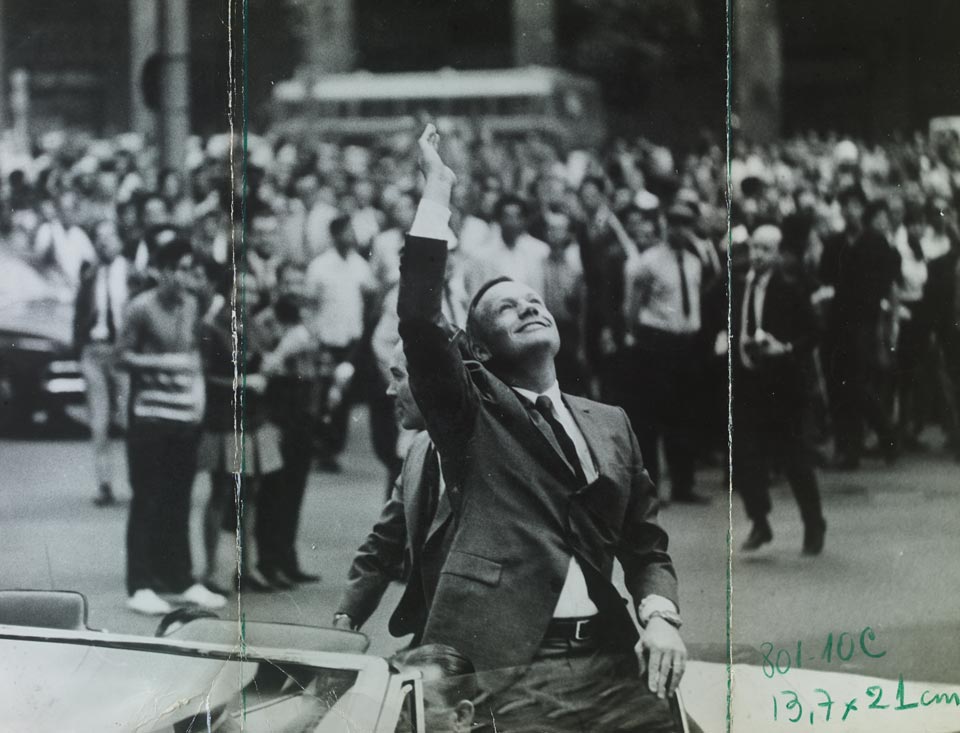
[(57, 674)]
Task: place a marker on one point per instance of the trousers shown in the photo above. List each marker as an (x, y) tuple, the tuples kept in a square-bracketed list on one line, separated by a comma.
[(106, 401), (162, 462), (572, 689)]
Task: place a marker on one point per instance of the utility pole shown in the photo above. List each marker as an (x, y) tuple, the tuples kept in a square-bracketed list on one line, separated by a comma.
[(534, 32), (757, 68), (174, 83), (144, 43), (20, 108)]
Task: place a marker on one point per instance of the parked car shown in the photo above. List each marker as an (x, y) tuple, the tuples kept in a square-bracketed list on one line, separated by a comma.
[(39, 370)]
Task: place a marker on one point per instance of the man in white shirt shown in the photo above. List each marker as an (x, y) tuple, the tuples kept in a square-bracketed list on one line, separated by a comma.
[(340, 284), (63, 241), (508, 251), (98, 318), (322, 211), (662, 313)]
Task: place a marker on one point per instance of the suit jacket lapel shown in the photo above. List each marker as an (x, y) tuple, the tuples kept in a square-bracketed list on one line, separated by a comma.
[(439, 521), (414, 498), (595, 433)]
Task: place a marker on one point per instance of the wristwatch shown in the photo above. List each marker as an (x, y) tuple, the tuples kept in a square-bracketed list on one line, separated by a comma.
[(671, 617)]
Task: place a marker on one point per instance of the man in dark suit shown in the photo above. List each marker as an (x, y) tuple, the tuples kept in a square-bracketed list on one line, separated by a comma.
[(774, 332), (411, 532), (546, 489)]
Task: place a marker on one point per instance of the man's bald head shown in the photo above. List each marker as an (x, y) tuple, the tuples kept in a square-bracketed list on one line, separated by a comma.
[(765, 247)]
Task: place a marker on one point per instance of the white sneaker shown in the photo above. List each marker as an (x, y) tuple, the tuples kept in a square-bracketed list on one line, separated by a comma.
[(147, 602), (199, 595)]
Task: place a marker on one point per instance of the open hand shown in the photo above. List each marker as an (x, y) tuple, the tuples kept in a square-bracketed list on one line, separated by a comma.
[(667, 657)]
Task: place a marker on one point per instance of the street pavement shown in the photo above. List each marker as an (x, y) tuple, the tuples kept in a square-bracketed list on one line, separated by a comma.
[(891, 562)]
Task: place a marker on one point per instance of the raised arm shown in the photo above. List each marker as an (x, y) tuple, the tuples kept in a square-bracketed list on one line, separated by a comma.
[(438, 376)]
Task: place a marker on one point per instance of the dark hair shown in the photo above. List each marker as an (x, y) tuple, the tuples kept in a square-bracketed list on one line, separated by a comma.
[(167, 256), (849, 193), (220, 277), (509, 199), (796, 229), (597, 181), (459, 674), (143, 198), (913, 212), (874, 208), (472, 324), (260, 210), (285, 265), (339, 225)]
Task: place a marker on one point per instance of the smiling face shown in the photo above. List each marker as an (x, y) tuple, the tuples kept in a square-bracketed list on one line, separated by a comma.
[(512, 324)]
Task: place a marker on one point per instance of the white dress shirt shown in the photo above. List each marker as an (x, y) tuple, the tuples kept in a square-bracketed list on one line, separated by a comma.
[(338, 285), (111, 280), (70, 247), (758, 284), (574, 600), (655, 275)]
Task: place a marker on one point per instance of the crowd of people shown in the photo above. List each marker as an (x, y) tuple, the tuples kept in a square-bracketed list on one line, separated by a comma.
[(266, 296)]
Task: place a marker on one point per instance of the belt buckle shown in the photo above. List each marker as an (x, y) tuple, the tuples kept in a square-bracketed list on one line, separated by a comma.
[(580, 624)]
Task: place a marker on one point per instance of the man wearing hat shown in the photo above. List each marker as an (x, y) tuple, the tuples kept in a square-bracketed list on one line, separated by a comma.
[(663, 322)]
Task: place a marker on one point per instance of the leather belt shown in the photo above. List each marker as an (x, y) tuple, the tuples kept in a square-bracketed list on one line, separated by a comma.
[(573, 629)]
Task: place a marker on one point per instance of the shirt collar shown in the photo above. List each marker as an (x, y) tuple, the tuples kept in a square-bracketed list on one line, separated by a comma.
[(553, 392)]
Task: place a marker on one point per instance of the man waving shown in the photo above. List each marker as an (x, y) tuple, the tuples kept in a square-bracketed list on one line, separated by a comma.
[(547, 490)]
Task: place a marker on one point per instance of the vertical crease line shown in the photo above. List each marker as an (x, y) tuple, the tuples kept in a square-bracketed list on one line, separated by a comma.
[(730, 385)]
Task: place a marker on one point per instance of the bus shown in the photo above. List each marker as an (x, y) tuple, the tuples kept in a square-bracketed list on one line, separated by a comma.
[(502, 103)]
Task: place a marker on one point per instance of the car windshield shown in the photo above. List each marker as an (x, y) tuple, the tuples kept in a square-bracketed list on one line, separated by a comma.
[(69, 684)]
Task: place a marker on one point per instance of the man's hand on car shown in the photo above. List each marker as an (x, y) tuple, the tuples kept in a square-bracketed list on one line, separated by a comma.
[(667, 656)]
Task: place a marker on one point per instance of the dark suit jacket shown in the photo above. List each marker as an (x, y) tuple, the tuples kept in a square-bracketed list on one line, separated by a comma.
[(777, 387), (520, 512), (402, 538)]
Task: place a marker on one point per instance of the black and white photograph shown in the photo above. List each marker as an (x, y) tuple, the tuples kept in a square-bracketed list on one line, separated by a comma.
[(510, 366)]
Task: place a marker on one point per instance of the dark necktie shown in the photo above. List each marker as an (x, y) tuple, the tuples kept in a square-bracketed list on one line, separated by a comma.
[(111, 325), (684, 288), (545, 407), (751, 307)]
